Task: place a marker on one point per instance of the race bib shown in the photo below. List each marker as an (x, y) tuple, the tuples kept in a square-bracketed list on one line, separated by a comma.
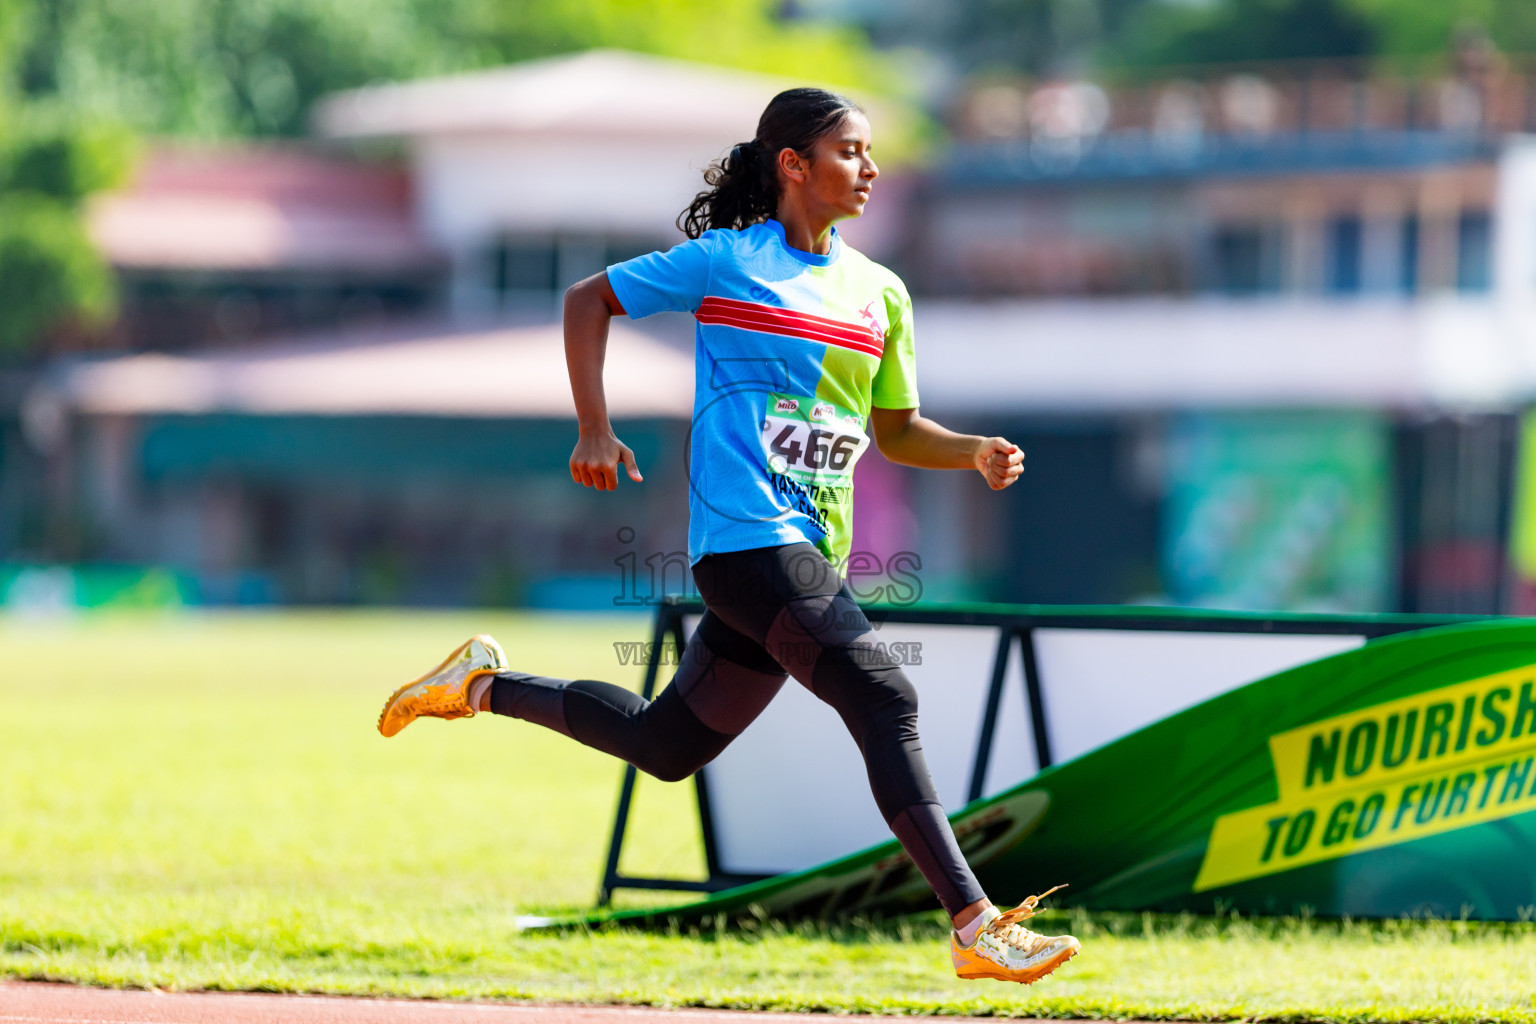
[(812, 441)]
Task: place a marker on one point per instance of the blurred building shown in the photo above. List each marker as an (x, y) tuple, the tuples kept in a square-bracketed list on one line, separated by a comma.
[(1269, 328), (400, 465), (1265, 333), (1306, 180), (222, 245)]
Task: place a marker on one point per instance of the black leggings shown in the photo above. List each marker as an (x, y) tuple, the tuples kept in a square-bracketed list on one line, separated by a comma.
[(772, 612)]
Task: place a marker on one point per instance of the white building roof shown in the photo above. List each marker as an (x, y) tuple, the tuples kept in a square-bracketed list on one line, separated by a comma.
[(260, 208), (607, 92), (601, 144), (501, 372)]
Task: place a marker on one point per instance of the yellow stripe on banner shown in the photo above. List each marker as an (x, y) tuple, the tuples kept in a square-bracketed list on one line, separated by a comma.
[(1435, 762)]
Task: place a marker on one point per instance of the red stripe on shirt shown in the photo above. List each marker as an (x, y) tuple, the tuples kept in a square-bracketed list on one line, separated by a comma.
[(725, 303), (752, 316)]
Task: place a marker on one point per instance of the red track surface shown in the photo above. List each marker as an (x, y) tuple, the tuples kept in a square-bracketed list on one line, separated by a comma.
[(37, 1003)]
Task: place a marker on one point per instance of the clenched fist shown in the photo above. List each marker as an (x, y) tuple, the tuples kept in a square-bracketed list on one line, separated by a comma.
[(998, 461)]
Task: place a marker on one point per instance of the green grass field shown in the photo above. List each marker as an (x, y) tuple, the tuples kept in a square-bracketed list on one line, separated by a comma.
[(203, 802)]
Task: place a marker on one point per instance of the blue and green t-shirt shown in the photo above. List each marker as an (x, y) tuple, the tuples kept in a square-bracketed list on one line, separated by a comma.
[(793, 349)]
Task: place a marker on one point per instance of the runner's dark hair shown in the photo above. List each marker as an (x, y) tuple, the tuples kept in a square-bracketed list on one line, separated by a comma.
[(744, 186)]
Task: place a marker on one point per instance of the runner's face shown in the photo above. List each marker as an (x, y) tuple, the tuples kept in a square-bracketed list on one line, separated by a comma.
[(841, 168)]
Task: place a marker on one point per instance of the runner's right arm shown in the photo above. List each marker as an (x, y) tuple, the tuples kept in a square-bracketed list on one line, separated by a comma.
[(589, 307)]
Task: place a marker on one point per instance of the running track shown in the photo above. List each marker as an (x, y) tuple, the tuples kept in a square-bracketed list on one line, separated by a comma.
[(42, 1003)]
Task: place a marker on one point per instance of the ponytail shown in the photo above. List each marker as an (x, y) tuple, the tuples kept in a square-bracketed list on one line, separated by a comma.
[(743, 190), (744, 187)]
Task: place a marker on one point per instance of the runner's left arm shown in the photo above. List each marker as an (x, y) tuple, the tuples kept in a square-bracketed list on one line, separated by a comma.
[(906, 437), (903, 434)]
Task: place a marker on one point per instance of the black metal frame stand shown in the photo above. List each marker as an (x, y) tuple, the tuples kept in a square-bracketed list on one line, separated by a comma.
[(1016, 626)]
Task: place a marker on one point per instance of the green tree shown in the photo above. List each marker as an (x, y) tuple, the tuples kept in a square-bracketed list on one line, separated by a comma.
[(1428, 28), (1177, 32), (1038, 37), (253, 67), (215, 67), (50, 272), (1168, 33), (746, 34), (50, 161)]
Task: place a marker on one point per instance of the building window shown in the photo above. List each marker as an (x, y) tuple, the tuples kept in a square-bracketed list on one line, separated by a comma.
[(1474, 251), (1246, 260), (617, 250), (525, 265), (1408, 249), (1344, 255), (533, 268)]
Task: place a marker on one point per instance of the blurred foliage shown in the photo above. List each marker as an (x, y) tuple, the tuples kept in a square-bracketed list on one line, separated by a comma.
[(1034, 36), (253, 67), (1072, 37), (1172, 33), (746, 34), (1178, 32), (49, 271), (1427, 28), (216, 67), (53, 154), (51, 160)]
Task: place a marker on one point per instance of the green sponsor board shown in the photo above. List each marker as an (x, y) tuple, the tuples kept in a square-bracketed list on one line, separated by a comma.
[(1398, 778), (1436, 762), (1279, 510), (58, 588), (1522, 520)]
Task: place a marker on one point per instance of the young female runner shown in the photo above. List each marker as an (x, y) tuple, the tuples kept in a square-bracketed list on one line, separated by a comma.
[(801, 340)]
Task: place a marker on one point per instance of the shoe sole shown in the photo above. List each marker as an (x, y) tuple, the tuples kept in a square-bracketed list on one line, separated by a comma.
[(458, 652), (1046, 968)]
